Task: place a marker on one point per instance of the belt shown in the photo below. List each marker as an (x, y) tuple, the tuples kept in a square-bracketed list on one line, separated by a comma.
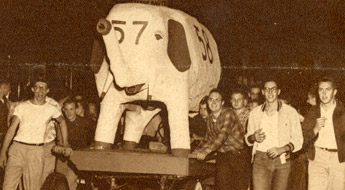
[(328, 149), (30, 144)]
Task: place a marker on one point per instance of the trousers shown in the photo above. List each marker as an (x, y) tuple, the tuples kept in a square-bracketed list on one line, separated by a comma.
[(270, 174), (325, 171), (233, 170)]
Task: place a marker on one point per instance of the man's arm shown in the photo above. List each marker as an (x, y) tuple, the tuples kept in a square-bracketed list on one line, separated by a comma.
[(296, 138), (296, 141), (308, 128), (7, 141), (63, 129), (229, 125)]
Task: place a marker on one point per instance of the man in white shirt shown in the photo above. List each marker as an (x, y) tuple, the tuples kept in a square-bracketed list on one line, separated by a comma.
[(324, 134), (26, 154), (274, 130)]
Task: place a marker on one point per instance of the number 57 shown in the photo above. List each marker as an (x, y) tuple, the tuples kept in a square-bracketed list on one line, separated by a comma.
[(122, 33)]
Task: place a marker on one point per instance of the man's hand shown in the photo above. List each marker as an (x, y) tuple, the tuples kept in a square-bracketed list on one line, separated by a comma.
[(66, 151), (201, 156), (320, 123), (3, 161), (259, 136), (274, 152), (198, 155)]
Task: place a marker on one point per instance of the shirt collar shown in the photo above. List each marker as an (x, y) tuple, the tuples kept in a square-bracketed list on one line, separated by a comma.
[(263, 107)]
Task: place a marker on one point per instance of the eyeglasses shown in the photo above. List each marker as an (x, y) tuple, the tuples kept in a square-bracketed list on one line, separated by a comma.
[(273, 89), (214, 100)]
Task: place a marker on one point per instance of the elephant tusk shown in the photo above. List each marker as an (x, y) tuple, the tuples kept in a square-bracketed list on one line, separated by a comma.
[(103, 26)]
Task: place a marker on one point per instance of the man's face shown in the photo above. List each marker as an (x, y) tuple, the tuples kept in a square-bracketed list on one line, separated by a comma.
[(237, 101), (254, 93), (70, 111), (5, 89), (92, 109), (215, 102), (271, 91), (327, 92), (40, 90), (203, 110), (311, 100)]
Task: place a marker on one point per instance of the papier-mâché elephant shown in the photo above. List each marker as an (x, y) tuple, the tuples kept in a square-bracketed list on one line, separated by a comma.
[(153, 53)]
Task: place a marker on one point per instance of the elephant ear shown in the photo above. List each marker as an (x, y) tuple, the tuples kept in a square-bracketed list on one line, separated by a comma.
[(177, 46), (97, 56)]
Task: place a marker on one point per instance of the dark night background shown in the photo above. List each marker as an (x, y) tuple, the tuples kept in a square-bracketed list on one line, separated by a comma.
[(297, 40)]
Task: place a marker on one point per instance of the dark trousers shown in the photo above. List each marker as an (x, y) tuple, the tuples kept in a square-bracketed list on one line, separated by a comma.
[(233, 170)]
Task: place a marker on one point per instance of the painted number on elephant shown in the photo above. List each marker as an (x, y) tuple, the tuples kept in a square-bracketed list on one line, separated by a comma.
[(122, 33), (207, 52)]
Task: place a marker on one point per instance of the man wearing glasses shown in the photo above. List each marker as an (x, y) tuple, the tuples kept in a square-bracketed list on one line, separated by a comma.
[(226, 136), (274, 130)]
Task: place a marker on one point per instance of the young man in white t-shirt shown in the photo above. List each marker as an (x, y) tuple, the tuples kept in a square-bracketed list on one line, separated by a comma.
[(26, 154)]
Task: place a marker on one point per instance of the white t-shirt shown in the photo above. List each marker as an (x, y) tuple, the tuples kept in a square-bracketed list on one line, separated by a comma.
[(269, 125), (34, 120)]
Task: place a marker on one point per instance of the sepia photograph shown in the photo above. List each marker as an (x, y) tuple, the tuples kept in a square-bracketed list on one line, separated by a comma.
[(172, 95)]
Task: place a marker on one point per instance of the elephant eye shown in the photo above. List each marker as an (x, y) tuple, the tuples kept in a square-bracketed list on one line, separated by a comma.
[(158, 36)]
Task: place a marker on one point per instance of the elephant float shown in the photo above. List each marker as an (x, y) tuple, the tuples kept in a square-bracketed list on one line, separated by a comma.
[(152, 53)]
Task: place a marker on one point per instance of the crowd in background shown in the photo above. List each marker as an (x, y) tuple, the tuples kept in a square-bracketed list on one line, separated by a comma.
[(231, 125)]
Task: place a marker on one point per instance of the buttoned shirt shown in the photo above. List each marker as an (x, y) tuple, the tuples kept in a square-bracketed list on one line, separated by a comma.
[(326, 135), (243, 118), (223, 134)]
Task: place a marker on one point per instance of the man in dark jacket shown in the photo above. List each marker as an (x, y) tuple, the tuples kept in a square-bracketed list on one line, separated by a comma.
[(324, 138), (78, 138), (4, 107)]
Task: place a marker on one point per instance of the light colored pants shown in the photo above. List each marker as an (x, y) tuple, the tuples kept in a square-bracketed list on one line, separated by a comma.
[(49, 160), (325, 171), (27, 161), (71, 176)]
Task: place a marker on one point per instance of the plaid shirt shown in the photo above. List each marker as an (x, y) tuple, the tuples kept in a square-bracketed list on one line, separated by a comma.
[(243, 118), (223, 135)]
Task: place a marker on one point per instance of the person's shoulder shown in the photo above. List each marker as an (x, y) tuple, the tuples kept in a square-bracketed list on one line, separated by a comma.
[(288, 107), (22, 104), (82, 120), (228, 110), (257, 109)]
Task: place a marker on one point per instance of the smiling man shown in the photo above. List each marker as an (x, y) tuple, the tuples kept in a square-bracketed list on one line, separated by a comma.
[(226, 136), (324, 134), (26, 156), (274, 130)]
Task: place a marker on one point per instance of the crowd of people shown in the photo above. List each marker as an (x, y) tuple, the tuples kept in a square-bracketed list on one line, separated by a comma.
[(261, 142), (271, 145)]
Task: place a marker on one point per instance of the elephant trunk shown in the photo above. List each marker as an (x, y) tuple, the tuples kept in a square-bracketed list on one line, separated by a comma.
[(118, 67)]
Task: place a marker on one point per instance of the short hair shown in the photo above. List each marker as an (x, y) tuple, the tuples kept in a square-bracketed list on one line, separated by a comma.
[(70, 101), (217, 90), (255, 86), (40, 78), (55, 181), (312, 92), (239, 91), (328, 79), (270, 79), (203, 100), (5, 81)]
